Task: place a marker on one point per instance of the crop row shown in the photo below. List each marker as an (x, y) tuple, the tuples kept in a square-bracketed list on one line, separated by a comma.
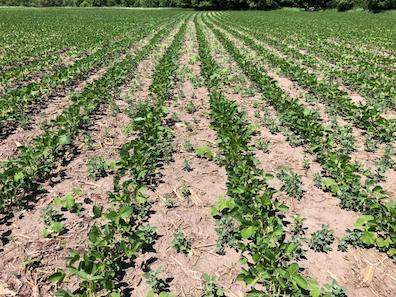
[(269, 257), (16, 102), (20, 176), (364, 117), (49, 33), (123, 230), (342, 177), (373, 82)]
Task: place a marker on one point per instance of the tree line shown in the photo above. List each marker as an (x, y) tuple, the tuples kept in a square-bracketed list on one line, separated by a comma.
[(341, 5)]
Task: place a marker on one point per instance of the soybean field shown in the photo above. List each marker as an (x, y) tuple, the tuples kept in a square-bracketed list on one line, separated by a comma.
[(173, 152)]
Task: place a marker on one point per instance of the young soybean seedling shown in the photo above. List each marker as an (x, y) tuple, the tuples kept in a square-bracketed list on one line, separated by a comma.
[(68, 202), (180, 243), (322, 239)]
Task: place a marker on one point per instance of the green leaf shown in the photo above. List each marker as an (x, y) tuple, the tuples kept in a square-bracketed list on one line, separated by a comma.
[(369, 238), (248, 232), (300, 281), (19, 176), (64, 139), (313, 288), (97, 211), (57, 277), (363, 220), (249, 279), (126, 212), (293, 268), (221, 205)]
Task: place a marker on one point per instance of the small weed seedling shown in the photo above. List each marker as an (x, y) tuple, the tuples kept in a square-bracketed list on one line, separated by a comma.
[(190, 107), (52, 222), (88, 140), (335, 290), (228, 234), (318, 180), (306, 163), (188, 146), (262, 145), (175, 118), (180, 243), (187, 166), (210, 288), (96, 167), (189, 126), (291, 183), (298, 236), (168, 200), (203, 151), (370, 143), (322, 239), (154, 281), (185, 190)]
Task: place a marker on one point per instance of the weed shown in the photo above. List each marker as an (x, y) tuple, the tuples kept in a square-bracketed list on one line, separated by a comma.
[(190, 107), (210, 288), (188, 146), (187, 166), (168, 201), (203, 151), (227, 234), (321, 240), (185, 190), (263, 145), (96, 167), (180, 243), (306, 163), (154, 281), (52, 222), (291, 183)]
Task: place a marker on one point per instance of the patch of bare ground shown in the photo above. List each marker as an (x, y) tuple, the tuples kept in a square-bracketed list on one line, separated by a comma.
[(316, 206), (190, 213), (28, 257), (56, 103)]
